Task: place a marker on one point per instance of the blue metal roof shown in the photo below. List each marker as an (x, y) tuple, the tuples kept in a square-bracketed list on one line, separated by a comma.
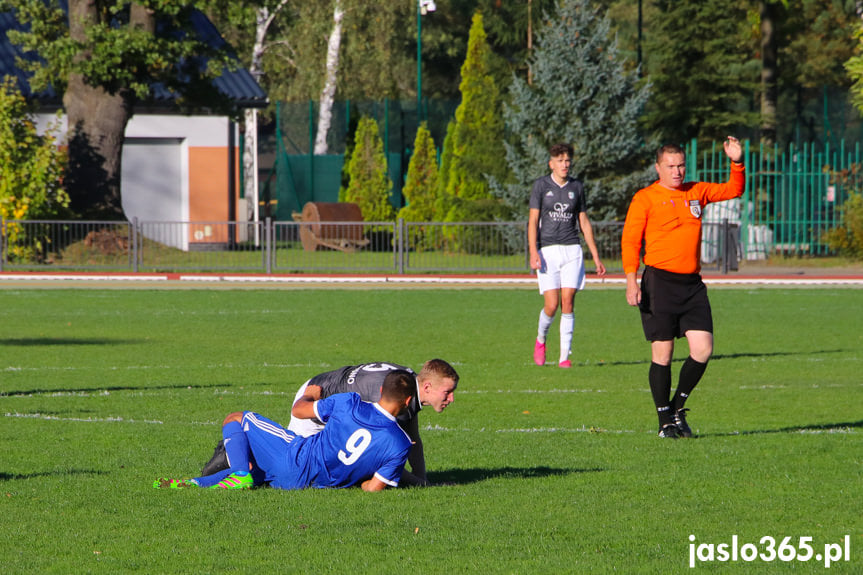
[(236, 84)]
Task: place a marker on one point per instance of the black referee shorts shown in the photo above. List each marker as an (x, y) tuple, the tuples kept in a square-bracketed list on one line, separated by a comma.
[(672, 304)]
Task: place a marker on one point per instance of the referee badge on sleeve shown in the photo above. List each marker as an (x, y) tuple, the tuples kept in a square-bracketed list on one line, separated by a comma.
[(695, 208)]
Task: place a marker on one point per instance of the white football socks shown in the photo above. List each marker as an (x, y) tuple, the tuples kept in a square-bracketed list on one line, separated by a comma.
[(567, 323), (544, 325)]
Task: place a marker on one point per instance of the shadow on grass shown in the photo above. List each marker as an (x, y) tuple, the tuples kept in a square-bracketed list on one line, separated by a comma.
[(473, 475), (19, 476), (721, 356), (791, 429), (775, 354), (112, 388), (37, 341)]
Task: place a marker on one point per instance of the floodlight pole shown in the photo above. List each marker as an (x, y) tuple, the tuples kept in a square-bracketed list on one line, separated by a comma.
[(419, 62), (423, 6), (640, 26)]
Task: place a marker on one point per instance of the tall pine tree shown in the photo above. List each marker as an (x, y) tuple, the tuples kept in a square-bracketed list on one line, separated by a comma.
[(420, 190), (422, 179), (582, 95), (369, 185), (471, 148)]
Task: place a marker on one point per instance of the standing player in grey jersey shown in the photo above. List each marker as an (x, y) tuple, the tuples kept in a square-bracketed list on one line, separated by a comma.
[(555, 219), (435, 387)]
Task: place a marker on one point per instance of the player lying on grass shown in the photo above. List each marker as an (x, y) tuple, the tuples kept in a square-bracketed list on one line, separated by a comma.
[(361, 444), (434, 386)]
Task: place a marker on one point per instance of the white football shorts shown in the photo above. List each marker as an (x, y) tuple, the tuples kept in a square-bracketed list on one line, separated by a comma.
[(562, 267), (304, 427)]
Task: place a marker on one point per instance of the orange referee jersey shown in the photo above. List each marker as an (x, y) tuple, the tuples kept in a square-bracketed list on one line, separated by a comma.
[(669, 222)]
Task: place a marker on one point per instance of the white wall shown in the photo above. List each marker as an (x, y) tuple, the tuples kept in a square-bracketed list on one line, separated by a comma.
[(155, 186)]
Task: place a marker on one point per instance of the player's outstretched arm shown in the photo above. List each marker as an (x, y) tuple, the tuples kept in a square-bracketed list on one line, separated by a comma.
[(373, 484), (416, 457)]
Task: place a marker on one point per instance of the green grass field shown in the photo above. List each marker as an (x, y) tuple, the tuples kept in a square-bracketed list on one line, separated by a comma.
[(545, 470)]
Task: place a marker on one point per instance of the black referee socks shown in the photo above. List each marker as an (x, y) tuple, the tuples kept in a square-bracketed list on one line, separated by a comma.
[(690, 375), (660, 386)]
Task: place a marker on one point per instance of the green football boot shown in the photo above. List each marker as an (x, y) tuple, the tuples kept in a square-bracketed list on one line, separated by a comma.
[(165, 483), (238, 480)]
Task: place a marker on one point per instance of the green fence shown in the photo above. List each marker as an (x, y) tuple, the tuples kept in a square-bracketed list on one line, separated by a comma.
[(298, 177), (793, 194)]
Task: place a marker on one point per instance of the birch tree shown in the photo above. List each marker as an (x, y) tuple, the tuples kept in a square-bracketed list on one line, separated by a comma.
[(264, 18), (259, 30), (325, 112)]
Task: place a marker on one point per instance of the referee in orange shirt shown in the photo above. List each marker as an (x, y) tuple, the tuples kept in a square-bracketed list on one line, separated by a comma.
[(666, 218)]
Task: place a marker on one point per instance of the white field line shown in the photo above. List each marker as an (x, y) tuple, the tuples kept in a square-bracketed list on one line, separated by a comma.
[(527, 280), (290, 391), (585, 429), (768, 280), (12, 368), (428, 428), (85, 277), (456, 280), (44, 417), (266, 365), (138, 393)]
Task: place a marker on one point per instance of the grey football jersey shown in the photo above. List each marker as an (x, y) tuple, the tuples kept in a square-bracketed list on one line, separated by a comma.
[(558, 207), (365, 379)]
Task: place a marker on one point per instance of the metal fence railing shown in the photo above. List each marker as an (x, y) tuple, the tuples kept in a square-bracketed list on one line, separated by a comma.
[(305, 247), (793, 194)]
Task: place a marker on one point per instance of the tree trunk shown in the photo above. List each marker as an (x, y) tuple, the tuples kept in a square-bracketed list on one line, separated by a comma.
[(325, 115), (768, 71), (97, 123)]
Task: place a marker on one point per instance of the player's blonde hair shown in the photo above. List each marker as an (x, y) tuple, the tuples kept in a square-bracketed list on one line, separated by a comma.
[(438, 369)]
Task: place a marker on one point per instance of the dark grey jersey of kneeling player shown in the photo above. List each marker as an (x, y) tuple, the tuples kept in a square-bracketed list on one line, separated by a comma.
[(365, 379)]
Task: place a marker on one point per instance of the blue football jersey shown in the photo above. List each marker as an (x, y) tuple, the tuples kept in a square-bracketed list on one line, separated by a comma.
[(360, 440)]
